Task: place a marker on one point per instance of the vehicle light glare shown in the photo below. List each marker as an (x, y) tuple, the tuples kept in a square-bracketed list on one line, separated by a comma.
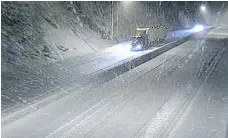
[(138, 47), (198, 28), (203, 8)]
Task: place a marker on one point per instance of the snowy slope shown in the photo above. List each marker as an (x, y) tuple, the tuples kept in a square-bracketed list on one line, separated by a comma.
[(41, 32), (38, 32)]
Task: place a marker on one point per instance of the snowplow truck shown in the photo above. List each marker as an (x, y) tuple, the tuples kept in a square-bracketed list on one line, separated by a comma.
[(143, 38)]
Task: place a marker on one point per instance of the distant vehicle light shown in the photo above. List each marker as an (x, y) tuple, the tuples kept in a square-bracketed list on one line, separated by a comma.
[(203, 8), (198, 28), (137, 48)]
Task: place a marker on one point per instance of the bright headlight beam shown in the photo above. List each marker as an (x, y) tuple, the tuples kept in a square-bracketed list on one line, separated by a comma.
[(138, 47), (198, 28), (203, 8)]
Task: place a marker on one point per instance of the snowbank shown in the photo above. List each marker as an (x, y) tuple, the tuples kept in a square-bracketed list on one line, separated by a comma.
[(38, 32)]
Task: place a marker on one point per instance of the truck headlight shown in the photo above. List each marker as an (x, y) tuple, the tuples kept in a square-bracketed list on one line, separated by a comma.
[(198, 28), (138, 47)]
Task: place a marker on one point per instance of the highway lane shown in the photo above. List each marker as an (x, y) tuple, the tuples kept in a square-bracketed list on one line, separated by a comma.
[(159, 98), (21, 87), (26, 86)]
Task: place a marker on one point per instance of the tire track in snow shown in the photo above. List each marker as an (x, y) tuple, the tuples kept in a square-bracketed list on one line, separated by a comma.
[(175, 114), (159, 120), (108, 99), (173, 65)]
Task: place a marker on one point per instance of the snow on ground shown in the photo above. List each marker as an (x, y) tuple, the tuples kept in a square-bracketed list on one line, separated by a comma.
[(207, 115), (40, 81), (111, 92), (42, 32), (181, 93), (218, 33), (21, 88), (34, 33), (75, 45)]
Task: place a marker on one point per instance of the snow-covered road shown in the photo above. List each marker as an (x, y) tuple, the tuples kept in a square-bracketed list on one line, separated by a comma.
[(25, 86), (21, 87), (181, 93)]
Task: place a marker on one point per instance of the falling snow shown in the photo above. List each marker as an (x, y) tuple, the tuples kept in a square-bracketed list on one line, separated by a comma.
[(68, 70)]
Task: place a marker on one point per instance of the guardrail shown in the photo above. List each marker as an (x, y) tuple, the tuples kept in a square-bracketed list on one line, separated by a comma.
[(117, 69)]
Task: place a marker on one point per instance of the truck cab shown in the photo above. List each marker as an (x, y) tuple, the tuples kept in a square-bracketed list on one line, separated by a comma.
[(140, 39)]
